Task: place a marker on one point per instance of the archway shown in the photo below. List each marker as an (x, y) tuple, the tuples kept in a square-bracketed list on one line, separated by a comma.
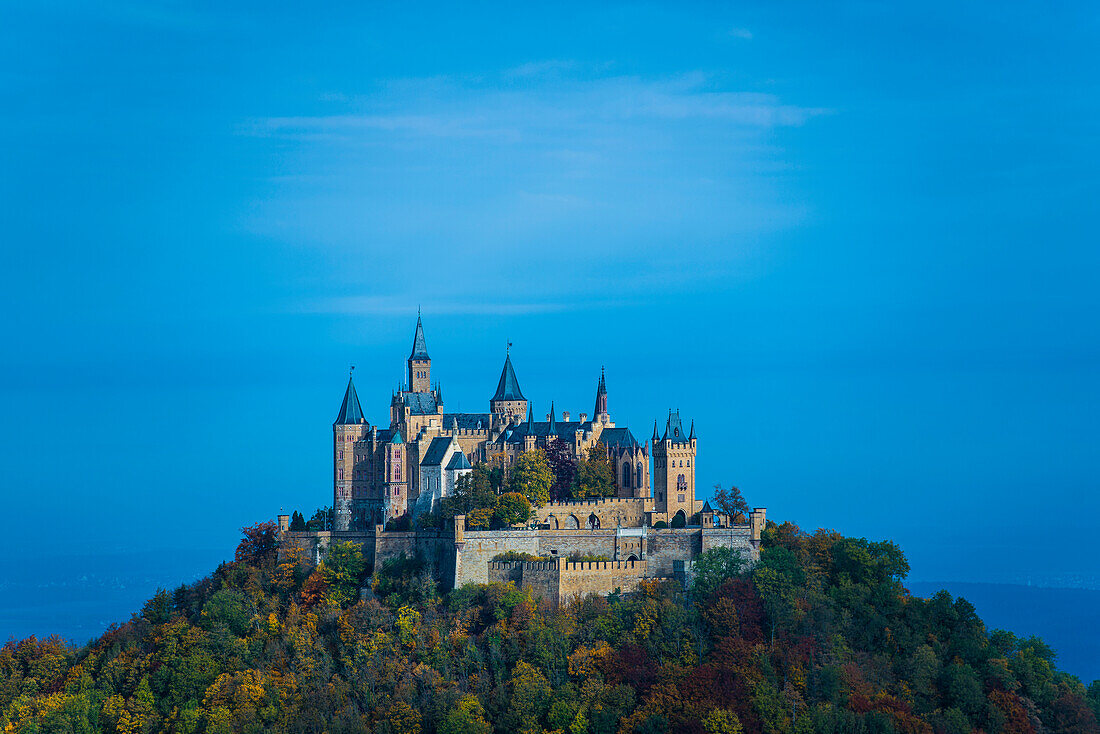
[(593, 522), (679, 520), (552, 522), (572, 523), (632, 558)]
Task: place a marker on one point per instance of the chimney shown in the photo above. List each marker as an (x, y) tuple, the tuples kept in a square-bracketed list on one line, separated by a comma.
[(584, 417), (565, 415)]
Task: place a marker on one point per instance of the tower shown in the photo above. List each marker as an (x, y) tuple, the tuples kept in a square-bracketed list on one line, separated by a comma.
[(395, 482), (349, 427), (508, 401), (674, 469), (420, 364), (599, 413)]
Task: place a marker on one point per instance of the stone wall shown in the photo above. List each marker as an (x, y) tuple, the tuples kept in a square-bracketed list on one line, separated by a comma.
[(543, 578), (478, 547), (610, 512), (665, 548), (600, 577)]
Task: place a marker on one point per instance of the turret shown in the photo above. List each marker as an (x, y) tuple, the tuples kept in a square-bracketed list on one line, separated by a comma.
[(508, 401), (674, 469), (349, 427), (420, 364)]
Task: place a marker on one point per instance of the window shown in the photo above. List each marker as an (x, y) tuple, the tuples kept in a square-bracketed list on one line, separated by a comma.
[(341, 454), (681, 483), (679, 498), (340, 473), (639, 482), (626, 475)]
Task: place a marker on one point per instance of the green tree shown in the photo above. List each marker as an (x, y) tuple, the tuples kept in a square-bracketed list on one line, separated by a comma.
[(343, 569), (595, 474), (467, 717), (531, 476), (712, 567), (512, 509), (297, 522)]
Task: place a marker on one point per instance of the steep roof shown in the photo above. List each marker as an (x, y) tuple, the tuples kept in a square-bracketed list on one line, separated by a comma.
[(619, 438), (674, 429), (350, 410), (420, 403), (437, 449), (541, 429), (459, 461), (467, 421), (508, 387), (420, 348)]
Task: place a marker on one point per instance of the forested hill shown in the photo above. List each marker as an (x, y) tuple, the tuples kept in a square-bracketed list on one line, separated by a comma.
[(820, 637)]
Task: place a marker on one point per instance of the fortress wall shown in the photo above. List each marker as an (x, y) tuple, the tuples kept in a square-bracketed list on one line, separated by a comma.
[(479, 547), (738, 537), (565, 542), (542, 577), (671, 545), (601, 577), (611, 511), (314, 544)]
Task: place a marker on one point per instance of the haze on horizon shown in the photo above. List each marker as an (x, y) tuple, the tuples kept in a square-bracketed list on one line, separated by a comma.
[(857, 244)]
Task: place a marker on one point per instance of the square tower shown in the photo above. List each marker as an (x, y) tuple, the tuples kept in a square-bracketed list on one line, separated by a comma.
[(674, 469)]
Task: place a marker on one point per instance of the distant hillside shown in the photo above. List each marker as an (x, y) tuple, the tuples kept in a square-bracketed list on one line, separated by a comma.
[(1067, 619), (820, 637)]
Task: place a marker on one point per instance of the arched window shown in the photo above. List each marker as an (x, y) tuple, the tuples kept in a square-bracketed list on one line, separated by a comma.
[(552, 522), (681, 482), (626, 475), (572, 523), (639, 472), (593, 522)]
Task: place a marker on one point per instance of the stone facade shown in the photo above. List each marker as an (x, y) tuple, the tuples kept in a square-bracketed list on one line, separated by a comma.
[(652, 528)]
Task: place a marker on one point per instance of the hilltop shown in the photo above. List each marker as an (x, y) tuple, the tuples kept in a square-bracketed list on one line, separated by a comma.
[(821, 635)]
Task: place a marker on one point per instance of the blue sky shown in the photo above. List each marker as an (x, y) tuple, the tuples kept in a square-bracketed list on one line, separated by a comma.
[(856, 242)]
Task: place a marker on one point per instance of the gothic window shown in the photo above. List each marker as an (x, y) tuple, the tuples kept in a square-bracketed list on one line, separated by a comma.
[(681, 482), (341, 454), (626, 475), (340, 473), (639, 473)]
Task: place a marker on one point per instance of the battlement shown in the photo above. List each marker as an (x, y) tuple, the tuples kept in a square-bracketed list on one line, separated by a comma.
[(595, 501)]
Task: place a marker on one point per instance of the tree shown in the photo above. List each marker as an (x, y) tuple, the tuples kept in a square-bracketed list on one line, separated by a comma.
[(712, 567), (467, 717), (730, 502), (343, 569), (595, 474), (322, 519), (564, 468), (297, 522), (512, 509), (259, 545), (531, 476)]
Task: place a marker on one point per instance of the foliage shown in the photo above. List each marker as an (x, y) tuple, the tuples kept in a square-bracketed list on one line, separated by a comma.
[(297, 522), (518, 557), (587, 558), (531, 476), (512, 509), (820, 636), (564, 468), (259, 545), (323, 519), (595, 474), (730, 502)]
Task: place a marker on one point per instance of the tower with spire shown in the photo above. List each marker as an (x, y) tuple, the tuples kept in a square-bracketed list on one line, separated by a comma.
[(507, 404), (599, 413), (349, 428), (674, 469), (420, 364)]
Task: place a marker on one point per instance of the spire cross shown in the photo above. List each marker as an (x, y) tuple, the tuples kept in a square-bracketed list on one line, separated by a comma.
[(352, 369)]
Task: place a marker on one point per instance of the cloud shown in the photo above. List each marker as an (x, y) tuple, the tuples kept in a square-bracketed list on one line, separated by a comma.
[(743, 33)]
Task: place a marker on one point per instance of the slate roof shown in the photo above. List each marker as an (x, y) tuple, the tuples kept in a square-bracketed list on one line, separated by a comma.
[(562, 429), (420, 348), (467, 421), (459, 461), (619, 438), (397, 437), (674, 429), (420, 403), (437, 449), (508, 387), (707, 507), (350, 410)]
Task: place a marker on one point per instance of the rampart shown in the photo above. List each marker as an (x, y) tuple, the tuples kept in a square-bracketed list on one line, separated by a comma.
[(559, 580)]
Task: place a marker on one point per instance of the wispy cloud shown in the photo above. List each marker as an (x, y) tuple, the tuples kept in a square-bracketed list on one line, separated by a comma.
[(742, 33)]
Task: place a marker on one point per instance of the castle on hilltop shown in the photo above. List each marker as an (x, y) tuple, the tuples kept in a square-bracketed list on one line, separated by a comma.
[(652, 527)]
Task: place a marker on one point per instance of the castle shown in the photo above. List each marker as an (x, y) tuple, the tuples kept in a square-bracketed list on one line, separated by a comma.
[(652, 527)]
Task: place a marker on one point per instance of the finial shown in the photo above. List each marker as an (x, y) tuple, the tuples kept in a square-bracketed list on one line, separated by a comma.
[(350, 370), (508, 348)]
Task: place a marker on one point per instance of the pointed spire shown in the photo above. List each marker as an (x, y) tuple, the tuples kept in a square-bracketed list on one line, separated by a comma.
[(601, 398), (420, 347), (553, 423), (656, 436), (508, 386), (530, 416), (691, 434), (350, 410)]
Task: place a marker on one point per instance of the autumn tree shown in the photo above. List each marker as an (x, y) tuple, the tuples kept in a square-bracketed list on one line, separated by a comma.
[(259, 545), (512, 509), (531, 476), (342, 570), (564, 467), (730, 502), (595, 474)]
